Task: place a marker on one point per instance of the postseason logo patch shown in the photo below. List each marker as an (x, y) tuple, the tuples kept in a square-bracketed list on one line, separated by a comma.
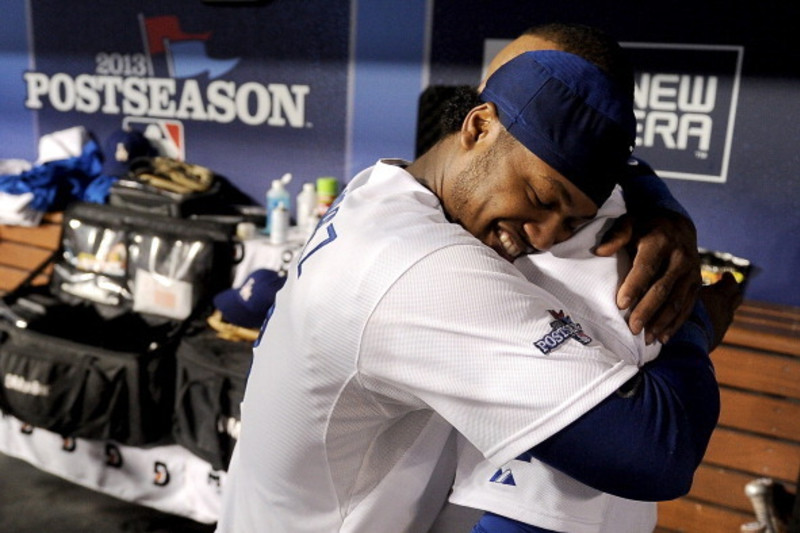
[(563, 329)]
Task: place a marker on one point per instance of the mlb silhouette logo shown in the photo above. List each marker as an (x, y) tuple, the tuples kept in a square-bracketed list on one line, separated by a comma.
[(165, 135)]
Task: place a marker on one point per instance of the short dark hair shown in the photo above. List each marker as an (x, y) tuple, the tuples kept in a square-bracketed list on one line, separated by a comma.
[(592, 44), (442, 110), (456, 108)]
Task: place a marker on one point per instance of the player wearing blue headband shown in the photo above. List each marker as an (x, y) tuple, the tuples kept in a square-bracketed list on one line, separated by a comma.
[(539, 497), (660, 290), (404, 318), (527, 495)]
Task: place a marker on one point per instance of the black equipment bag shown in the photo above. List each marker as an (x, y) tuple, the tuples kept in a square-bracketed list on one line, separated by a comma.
[(211, 376), (158, 266), (70, 371), (136, 196), (166, 186)]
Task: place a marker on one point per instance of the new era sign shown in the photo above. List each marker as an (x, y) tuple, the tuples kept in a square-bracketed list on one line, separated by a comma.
[(685, 106)]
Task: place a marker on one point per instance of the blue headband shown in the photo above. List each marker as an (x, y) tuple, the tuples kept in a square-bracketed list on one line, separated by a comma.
[(569, 113)]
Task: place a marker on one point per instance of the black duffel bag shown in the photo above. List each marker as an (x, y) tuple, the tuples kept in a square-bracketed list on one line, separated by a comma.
[(211, 376), (77, 374)]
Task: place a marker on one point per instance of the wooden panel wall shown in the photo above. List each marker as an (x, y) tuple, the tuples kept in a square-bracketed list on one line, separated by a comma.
[(758, 367)]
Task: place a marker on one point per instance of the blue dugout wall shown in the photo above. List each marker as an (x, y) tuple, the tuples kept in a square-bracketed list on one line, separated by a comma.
[(325, 87)]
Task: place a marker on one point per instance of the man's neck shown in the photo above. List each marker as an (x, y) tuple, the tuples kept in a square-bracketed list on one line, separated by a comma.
[(430, 168)]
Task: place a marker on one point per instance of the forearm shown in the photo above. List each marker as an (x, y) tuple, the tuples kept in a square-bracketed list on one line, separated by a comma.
[(645, 443), (642, 188)]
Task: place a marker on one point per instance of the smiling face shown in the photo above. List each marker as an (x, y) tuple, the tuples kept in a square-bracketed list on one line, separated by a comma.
[(513, 201), (496, 187)]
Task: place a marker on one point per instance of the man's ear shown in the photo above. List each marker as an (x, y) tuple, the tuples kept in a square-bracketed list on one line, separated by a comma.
[(481, 123)]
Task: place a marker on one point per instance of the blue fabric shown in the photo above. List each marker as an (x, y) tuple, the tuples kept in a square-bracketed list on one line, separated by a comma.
[(249, 304), (492, 523), (122, 147), (567, 112), (57, 183), (641, 187), (97, 190), (658, 429)]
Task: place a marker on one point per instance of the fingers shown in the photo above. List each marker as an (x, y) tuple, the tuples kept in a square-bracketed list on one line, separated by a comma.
[(675, 311), (664, 279), (673, 288), (653, 306), (647, 265), (617, 236)]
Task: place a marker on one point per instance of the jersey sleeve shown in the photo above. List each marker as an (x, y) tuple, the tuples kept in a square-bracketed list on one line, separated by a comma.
[(464, 343), (649, 437), (464, 333)]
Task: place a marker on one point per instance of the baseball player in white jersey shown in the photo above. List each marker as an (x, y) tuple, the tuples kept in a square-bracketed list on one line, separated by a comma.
[(331, 419), (526, 489), (396, 324)]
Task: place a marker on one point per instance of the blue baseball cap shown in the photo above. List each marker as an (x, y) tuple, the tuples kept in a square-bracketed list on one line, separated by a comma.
[(122, 147), (247, 305), (569, 113)]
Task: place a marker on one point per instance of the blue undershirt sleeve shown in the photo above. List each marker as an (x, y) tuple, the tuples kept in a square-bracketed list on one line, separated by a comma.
[(492, 523), (646, 441), (642, 187)]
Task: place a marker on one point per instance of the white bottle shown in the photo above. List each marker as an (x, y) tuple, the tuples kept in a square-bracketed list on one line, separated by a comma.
[(279, 224), (306, 206), (277, 195)]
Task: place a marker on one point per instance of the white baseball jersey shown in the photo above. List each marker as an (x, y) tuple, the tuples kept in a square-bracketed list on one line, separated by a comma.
[(394, 326), (526, 489)]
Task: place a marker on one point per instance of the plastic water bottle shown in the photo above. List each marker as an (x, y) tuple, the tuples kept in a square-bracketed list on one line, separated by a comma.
[(276, 196), (279, 224), (306, 206)]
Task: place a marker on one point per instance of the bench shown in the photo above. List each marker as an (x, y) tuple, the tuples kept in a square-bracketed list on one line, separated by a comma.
[(758, 366), (758, 436), (23, 249)]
